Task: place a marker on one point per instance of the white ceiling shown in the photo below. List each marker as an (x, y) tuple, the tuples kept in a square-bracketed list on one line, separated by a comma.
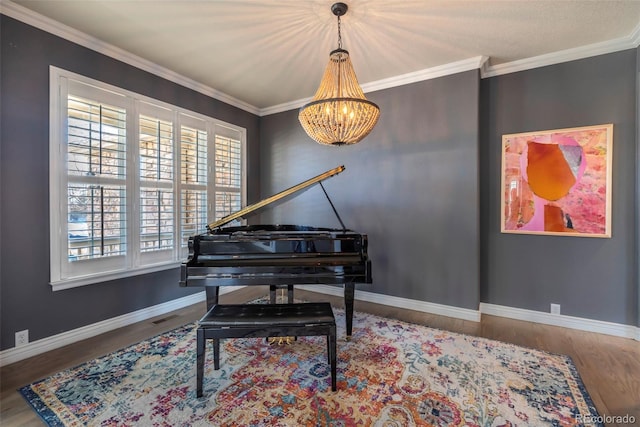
[(266, 53)]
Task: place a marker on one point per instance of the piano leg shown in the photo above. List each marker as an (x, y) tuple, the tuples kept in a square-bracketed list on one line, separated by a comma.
[(212, 295), (349, 293)]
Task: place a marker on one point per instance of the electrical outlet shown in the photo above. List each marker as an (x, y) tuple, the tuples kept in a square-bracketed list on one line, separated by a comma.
[(555, 308), (22, 338)]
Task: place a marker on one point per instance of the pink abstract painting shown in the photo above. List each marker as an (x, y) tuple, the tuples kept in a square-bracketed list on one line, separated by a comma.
[(558, 182)]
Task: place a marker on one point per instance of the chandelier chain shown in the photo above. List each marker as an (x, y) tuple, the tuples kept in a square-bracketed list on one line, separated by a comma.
[(339, 34)]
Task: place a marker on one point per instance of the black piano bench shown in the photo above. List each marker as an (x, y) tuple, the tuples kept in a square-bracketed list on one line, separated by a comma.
[(264, 320)]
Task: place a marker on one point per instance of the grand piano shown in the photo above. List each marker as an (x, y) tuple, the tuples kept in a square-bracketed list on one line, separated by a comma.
[(278, 255)]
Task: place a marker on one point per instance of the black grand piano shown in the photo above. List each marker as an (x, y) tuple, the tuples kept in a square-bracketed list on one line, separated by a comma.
[(278, 255)]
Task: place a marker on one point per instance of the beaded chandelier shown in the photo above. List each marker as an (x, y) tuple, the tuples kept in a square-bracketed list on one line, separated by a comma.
[(339, 113)]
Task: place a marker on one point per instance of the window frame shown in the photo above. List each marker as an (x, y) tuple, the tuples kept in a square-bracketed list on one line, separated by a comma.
[(65, 274)]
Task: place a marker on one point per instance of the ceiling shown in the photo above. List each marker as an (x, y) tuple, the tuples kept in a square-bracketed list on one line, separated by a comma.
[(266, 53)]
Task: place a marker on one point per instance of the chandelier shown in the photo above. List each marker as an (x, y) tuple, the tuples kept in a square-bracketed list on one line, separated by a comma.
[(339, 113)]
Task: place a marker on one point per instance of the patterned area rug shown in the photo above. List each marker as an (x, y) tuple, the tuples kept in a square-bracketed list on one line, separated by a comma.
[(390, 374)]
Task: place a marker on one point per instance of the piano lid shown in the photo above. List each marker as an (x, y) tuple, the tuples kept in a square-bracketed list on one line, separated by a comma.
[(279, 197)]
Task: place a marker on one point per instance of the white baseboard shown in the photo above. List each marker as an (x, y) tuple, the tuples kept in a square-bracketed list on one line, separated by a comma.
[(34, 348), (411, 304), (579, 323)]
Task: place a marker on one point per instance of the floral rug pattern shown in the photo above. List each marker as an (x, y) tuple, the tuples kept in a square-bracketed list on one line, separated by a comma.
[(390, 373)]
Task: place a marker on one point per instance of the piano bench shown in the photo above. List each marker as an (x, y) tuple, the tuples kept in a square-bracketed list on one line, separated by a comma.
[(264, 320)]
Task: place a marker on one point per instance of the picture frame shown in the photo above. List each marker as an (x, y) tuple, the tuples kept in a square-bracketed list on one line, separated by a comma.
[(558, 182)]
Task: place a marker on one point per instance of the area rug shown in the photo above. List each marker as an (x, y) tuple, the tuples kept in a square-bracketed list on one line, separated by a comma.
[(390, 373)]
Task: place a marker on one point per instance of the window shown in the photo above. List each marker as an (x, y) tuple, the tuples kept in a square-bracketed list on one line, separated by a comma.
[(132, 179)]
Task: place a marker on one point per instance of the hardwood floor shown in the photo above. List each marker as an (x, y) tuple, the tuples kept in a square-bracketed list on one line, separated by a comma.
[(609, 366)]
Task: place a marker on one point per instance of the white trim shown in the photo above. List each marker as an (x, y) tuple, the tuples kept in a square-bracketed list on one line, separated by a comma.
[(56, 28), (292, 105), (580, 323), (34, 348), (105, 277), (486, 70), (635, 36), (47, 24), (629, 42), (427, 74), (410, 304), (401, 80), (65, 274)]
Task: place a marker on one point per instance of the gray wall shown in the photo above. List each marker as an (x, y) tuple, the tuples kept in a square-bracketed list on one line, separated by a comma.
[(415, 186), (411, 185), (590, 277), (26, 299)]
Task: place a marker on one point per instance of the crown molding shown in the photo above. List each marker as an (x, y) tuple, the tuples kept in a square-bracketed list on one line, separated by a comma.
[(427, 74), (401, 80), (635, 36), (292, 105), (480, 62), (49, 25), (629, 42)]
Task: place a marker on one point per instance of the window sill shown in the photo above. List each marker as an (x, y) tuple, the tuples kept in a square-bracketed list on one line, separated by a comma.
[(105, 277)]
